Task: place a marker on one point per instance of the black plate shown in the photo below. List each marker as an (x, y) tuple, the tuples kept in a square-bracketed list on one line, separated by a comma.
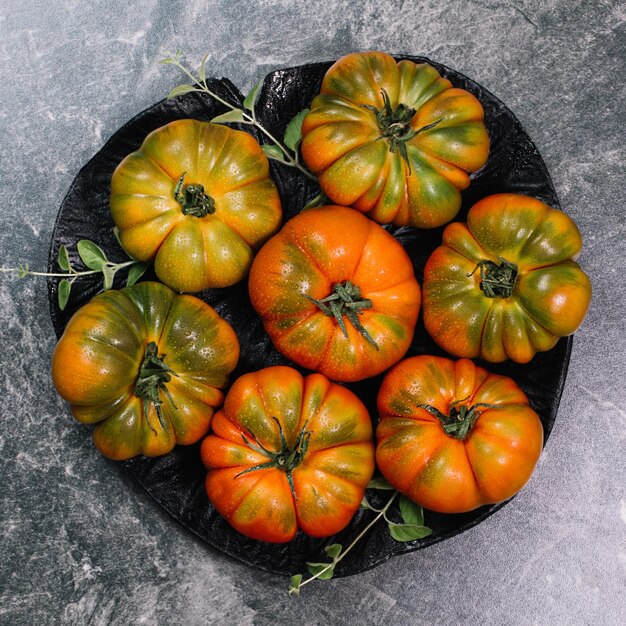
[(175, 481)]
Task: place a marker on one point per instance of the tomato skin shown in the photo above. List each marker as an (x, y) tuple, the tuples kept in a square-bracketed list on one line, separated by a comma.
[(551, 295), (436, 470), (314, 251), (192, 252), (344, 144), (328, 483), (96, 364)]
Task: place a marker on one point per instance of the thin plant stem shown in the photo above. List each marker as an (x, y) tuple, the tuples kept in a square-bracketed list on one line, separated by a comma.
[(381, 513), (291, 161)]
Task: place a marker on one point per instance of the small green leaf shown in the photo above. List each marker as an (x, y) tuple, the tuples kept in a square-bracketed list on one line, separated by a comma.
[(322, 571), (273, 151), (411, 513), (135, 273), (201, 71), (91, 255), (172, 58), (109, 274), (180, 91), (22, 270), (236, 115), (379, 483), (319, 200), (250, 99), (63, 293), (365, 504), (63, 259), (294, 587), (118, 235), (293, 132), (408, 532), (333, 551)]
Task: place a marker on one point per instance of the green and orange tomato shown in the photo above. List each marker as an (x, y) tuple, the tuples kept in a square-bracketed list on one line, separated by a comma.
[(506, 284), (288, 452), (146, 366), (197, 199), (394, 140)]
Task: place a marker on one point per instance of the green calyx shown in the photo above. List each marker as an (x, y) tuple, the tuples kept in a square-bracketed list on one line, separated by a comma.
[(395, 125), (460, 419), (497, 281), (153, 375), (346, 300), (192, 199), (286, 460)]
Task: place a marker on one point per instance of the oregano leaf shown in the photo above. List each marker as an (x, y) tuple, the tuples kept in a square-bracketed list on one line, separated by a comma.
[(322, 571), (294, 587), (411, 512), (109, 274), (236, 115), (272, 151), (180, 91), (365, 504), (408, 532), (63, 259), (333, 551), (63, 293), (250, 99), (379, 483), (293, 132), (91, 254), (201, 71), (135, 273)]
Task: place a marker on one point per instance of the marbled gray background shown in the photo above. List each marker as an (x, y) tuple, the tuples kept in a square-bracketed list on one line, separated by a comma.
[(83, 545)]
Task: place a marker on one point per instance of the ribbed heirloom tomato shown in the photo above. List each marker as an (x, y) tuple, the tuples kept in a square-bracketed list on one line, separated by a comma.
[(506, 285), (394, 140), (288, 453), (146, 366), (198, 199), (336, 293), (452, 436)]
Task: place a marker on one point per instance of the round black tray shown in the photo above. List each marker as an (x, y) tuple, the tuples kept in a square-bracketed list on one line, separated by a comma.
[(176, 480)]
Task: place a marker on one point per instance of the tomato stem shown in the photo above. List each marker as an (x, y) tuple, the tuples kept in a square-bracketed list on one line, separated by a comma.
[(153, 374), (192, 199), (497, 281), (346, 300), (287, 459), (381, 513), (460, 419), (395, 125)]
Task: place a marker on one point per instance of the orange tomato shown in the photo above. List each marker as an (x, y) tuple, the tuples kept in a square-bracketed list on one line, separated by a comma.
[(452, 436), (336, 293)]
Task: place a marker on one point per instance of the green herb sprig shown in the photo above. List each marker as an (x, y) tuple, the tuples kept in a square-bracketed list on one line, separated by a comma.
[(411, 528), (285, 152), (96, 262)]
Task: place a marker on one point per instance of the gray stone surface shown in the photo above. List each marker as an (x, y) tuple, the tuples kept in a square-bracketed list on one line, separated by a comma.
[(80, 543)]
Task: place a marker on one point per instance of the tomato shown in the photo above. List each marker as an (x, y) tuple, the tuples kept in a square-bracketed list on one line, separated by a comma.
[(146, 366), (288, 453), (452, 436), (336, 293), (394, 140), (506, 284), (197, 199)]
